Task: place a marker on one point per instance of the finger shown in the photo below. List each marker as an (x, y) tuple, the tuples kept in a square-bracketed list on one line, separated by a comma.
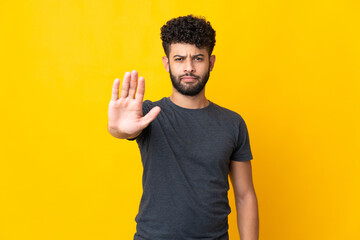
[(125, 85), (133, 84), (140, 90), (150, 116), (115, 90)]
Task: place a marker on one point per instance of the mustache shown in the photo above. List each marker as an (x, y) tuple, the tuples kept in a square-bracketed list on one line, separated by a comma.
[(189, 75)]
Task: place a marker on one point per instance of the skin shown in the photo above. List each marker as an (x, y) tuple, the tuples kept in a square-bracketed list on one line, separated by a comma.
[(126, 121), (245, 200), (125, 113), (187, 58)]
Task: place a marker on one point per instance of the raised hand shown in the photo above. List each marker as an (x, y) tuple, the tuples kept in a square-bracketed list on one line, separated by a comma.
[(126, 119)]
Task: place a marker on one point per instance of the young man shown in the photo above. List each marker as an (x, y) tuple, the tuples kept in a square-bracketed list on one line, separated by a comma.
[(188, 145)]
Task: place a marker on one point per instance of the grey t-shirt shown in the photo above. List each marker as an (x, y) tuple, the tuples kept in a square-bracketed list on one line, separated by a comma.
[(186, 155)]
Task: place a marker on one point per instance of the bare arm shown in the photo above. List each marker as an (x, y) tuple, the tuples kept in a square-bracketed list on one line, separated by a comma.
[(125, 114), (245, 199)]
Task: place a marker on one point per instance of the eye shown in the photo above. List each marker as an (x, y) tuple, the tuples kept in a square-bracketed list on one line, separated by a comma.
[(198, 59), (178, 59)]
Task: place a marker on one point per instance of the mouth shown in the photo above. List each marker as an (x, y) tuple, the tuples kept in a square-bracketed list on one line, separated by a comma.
[(189, 79)]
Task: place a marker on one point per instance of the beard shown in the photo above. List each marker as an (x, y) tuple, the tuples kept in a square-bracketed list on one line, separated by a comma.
[(189, 89)]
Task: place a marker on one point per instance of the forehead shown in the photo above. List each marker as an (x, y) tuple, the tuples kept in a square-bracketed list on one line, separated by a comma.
[(185, 49)]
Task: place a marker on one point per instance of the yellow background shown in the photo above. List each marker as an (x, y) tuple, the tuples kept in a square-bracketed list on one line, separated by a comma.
[(290, 68)]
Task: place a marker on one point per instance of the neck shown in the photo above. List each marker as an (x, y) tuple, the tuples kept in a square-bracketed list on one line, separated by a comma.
[(192, 102)]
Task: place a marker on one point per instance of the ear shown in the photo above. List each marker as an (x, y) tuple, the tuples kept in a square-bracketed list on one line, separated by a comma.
[(212, 62), (166, 63)]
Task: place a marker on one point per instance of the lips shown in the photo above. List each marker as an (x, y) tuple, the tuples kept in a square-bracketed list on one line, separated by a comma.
[(189, 79)]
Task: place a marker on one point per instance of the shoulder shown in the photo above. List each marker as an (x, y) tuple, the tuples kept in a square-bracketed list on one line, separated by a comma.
[(227, 114), (148, 104), (160, 102)]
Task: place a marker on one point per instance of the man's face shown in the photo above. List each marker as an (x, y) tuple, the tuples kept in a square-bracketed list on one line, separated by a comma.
[(189, 68)]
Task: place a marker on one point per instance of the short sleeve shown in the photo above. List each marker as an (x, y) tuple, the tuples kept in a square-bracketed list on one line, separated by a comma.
[(242, 151)]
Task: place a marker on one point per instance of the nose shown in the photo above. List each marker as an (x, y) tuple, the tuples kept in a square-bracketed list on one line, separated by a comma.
[(189, 66)]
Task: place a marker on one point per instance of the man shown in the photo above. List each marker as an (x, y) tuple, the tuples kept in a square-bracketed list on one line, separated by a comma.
[(188, 145)]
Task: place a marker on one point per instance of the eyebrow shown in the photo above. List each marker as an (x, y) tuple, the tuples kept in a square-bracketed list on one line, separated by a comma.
[(197, 55)]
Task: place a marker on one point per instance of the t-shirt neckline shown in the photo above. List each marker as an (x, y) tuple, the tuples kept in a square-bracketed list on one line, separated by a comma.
[(168, 100)]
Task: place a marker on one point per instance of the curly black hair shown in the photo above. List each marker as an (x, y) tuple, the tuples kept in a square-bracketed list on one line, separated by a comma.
[(188, 29)]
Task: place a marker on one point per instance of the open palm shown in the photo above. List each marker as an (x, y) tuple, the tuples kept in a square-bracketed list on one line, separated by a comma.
[(125, 114)]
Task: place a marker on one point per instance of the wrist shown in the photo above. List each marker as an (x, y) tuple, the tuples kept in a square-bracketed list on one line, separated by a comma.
[(114, 131)]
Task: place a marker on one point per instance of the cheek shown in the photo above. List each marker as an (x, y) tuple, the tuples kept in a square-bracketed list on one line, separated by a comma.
[(175, 68), (204, 68)]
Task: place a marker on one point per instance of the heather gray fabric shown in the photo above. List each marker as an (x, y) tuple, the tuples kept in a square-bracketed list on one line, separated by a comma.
[(186, 155)]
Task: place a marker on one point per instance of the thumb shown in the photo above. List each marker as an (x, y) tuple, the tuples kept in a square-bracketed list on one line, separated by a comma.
[(150, 116)]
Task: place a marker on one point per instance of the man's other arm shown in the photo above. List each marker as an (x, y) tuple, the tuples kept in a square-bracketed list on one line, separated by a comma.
[(245, 200)]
